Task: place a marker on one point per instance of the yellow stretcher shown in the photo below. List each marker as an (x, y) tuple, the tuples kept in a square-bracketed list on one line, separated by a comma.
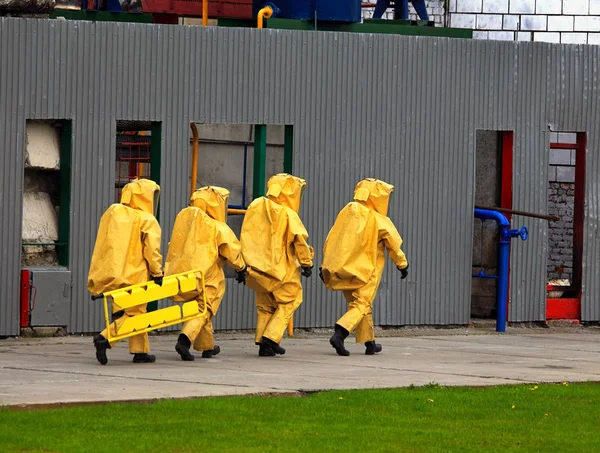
[(143, 293)]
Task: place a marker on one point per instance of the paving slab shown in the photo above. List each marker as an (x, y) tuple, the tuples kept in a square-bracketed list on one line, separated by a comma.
[(50, 371)]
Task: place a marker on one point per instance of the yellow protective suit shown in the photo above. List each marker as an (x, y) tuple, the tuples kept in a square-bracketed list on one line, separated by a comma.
[(127, 250), (202, 240), (354, 254), (274, 245)]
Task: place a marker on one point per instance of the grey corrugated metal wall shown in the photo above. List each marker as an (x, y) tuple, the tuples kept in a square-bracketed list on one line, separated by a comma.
[(404, 109)]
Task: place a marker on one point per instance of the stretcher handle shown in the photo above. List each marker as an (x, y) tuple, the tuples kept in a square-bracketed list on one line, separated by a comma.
[(99, 296)]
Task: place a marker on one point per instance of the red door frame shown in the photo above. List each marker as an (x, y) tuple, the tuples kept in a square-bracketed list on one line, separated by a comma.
[(506, 188), (570, 308)]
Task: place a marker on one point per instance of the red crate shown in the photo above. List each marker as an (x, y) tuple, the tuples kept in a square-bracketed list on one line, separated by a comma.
[(231, 9)]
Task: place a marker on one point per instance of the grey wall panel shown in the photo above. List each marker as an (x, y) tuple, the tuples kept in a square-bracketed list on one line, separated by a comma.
[(404, 109)]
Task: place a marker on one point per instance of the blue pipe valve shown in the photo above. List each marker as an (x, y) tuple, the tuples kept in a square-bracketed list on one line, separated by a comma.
[(523, 233)]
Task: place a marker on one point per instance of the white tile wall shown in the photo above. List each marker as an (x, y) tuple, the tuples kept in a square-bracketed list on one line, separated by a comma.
[(566, 21)]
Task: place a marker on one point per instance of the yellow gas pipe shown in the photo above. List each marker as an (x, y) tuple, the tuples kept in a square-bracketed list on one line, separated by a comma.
[(194, 157), (264, 13), (204, 13)]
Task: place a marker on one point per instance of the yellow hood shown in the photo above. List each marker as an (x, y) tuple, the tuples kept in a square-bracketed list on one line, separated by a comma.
[(141, 194), (286, 190), (374, 194), (213, 200)]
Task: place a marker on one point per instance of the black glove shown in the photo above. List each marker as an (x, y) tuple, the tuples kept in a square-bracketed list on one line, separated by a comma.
[(321, 274), (158, 280), (241, 276), (307, 271), (404, 272)]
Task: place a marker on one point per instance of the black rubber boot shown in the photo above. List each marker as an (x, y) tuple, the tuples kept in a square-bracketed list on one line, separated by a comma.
[(265, 351), (211, 352), (337, 340), (101, 345), (372, 348), (183, 348), (144, 358), (274, 346)]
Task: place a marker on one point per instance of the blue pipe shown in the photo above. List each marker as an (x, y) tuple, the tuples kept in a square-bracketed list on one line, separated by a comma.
[(503, 260)]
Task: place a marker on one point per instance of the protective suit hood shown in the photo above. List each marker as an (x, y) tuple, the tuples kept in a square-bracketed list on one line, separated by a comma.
[(213, 200), (286, 190), (374, 194), (141, 194)]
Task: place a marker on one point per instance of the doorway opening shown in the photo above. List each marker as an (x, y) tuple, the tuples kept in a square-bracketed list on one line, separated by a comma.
[(566, 197), (493, 189)]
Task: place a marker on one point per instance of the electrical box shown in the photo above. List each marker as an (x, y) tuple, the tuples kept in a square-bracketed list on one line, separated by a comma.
[(50, 296)]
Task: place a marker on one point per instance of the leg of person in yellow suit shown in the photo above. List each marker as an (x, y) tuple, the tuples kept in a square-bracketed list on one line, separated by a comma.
[(139, 345), (199, 331), (274, 314), (360, 317), (205, 341)]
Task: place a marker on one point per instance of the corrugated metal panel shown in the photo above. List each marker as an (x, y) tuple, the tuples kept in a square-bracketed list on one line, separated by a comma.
[(404, 109)]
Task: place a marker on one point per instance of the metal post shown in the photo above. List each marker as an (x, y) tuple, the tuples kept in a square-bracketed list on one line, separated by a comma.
[(155, 164), (64, 216), (260, 160)]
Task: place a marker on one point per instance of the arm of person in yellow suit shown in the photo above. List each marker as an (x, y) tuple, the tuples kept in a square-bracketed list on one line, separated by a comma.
[(151, 245), (230, 248), (392, 240), (299, 238)]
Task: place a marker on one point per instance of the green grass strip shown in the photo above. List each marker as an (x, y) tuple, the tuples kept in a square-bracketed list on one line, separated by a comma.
[(540, 418)]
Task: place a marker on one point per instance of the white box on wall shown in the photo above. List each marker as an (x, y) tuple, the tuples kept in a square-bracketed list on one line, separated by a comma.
[(489, 22), (573, 38), (579, 7), (468, 6), (522, 6), (511, 22), (525, 36), (587, 23), (548, 7), (561, 23), (534, 23), (462, 20), (495, 6), (546, 37)]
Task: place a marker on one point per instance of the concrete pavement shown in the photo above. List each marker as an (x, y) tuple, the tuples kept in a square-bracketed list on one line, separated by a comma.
[(46, 371)]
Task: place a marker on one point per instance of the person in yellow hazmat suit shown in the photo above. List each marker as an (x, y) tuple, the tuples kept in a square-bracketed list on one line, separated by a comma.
[(202, 240), (276, 251), (127, 252), (354, 258)]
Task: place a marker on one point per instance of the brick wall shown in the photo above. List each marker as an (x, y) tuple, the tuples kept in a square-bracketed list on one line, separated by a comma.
[(435, 9), (558, 21)]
